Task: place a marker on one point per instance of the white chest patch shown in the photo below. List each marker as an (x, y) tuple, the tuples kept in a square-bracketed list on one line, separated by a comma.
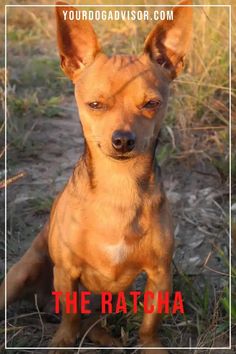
[(117, 253)]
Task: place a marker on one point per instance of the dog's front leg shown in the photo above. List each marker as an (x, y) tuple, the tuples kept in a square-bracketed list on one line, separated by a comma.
[(69, 327), (159, 280)]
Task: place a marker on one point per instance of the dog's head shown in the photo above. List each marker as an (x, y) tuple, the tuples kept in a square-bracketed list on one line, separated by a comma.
[(122, 99)]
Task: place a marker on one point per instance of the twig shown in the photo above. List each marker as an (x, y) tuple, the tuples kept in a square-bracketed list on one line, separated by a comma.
[(2, 152), (218, 127), (211, 269), (216, 271), (12, 179), (28, 315), (88, 330), (13, 336), (2, 126), (201, 84), (206, 173), (40, 318)]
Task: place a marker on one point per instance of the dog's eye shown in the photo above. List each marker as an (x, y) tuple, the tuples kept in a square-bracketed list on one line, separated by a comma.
[(97, 105), (152, 104)]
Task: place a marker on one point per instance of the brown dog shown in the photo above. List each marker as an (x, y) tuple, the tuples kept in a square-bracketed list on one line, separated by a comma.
[(111, 221)]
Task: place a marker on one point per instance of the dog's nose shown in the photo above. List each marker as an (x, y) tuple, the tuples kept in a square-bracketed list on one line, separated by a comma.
[(123, 141)]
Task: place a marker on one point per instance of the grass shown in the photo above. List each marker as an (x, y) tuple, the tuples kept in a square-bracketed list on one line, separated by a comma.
[(195, 133), (204, 322)]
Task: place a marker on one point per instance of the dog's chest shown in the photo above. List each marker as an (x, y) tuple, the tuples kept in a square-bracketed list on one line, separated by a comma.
[(117, 214), (113, 267), (117, 253), (107, 233)]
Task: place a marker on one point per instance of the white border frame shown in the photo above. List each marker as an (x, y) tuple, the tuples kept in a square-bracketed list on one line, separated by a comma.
[(230, 151)]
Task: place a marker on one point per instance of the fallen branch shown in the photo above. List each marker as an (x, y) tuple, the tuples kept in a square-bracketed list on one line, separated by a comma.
[(12, 180)]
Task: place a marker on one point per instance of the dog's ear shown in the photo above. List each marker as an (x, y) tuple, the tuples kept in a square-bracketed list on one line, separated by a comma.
[(77, 41), (168, 42)]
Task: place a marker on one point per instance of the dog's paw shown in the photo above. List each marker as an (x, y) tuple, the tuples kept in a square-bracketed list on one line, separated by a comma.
[(62, 338), (153, 343), (100, 336)]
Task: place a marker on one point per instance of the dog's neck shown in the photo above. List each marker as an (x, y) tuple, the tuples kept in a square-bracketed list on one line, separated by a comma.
[(111, 175), (124, 189)]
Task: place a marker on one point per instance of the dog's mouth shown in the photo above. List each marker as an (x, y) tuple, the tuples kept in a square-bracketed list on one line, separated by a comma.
[(121, 157), (117, 157)]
